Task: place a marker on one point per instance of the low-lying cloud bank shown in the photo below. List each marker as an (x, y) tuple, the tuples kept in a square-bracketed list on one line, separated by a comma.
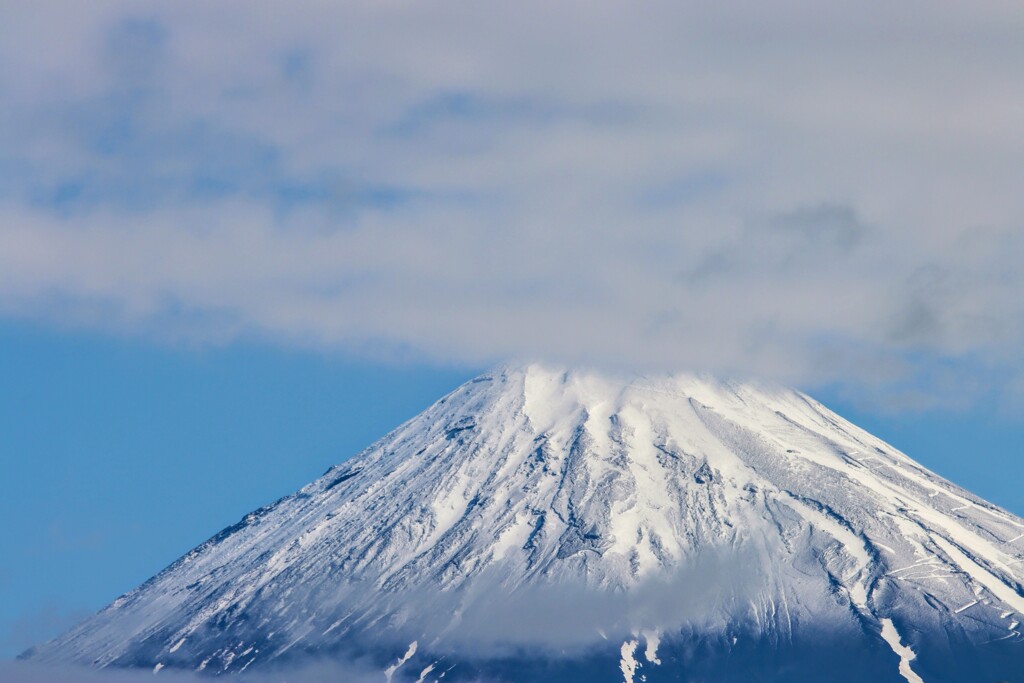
[(817, 194), (488, 623), (317, 672)]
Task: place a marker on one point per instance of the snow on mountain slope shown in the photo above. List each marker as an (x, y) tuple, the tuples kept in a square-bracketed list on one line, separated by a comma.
[(566, 512)]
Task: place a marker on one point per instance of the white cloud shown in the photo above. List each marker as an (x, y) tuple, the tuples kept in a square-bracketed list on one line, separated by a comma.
[(819, 194)]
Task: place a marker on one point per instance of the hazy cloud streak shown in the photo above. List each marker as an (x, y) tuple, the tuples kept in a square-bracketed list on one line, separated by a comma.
[(814, 194)]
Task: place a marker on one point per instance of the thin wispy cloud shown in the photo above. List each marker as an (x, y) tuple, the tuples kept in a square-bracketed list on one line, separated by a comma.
[(818, 194)]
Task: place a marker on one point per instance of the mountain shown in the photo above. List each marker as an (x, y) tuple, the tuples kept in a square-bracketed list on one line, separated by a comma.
[(544, 524)]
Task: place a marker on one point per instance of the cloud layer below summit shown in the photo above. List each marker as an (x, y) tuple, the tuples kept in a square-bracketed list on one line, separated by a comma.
[(817, 194)]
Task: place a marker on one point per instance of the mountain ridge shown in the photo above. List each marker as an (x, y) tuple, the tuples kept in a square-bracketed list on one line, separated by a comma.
[(595, 511)]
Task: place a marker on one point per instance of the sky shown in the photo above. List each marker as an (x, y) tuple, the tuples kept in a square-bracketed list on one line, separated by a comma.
[(241, 240)]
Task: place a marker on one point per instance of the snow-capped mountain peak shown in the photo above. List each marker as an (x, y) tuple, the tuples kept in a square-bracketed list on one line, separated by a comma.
[(584, 517)]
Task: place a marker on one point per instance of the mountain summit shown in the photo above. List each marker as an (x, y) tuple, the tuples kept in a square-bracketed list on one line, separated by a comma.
[(543, 524)]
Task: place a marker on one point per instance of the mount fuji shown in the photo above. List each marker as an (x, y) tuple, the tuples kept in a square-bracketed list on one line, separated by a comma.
[(544, 524)]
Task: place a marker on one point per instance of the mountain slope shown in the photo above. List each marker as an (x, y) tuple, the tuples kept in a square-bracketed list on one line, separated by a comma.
[(540, 523)]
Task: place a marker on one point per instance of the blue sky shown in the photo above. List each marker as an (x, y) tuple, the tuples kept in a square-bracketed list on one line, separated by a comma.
[(120, 456), (241, 240)]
